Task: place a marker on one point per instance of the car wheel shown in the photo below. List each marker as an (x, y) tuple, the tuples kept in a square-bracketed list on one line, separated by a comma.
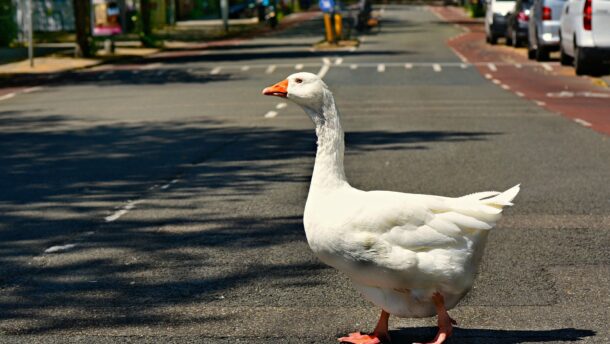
[(492, 39), (531, 52), (582, 64), (542, 54)]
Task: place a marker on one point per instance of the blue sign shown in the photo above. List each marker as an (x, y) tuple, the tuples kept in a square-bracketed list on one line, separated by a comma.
[(327, 5)]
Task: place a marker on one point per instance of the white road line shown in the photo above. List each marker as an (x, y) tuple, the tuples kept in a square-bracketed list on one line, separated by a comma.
[(437, 68), (518, 65), (463, 66), (281, 106), (60, 248), (169, 184), (408, 65), (216, 70), (339, 61), (124, 210), (492, 67), (488, 76), (151, 66), (353, 66), (582, 122), (462, 57), (547, 67), (245, 68), (298, 66), (352, 49), (270, 69), (325, 67), (539, 103), (322, 72), (496, 81), (32, 89), (7, 96), (506, 87), (381, 68), (520, 94), (270, 114)]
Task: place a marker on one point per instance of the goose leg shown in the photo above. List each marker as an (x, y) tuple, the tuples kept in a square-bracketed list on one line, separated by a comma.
[(379, 335), (445, 322)]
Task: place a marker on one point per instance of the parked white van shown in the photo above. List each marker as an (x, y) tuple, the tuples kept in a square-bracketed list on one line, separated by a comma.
[(495, 18), (585, 35)]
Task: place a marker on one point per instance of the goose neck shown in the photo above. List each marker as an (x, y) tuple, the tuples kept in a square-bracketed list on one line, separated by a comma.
[(328, 169)]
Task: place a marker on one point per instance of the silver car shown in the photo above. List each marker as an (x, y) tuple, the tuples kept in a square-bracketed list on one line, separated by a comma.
[(544, 25)]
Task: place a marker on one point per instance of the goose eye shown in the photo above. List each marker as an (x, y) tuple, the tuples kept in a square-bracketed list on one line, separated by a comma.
[(298, 81)]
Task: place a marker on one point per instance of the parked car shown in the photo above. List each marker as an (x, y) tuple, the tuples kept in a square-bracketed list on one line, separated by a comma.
[(585, 35), (495, 18), (544, 28), (517, 23)]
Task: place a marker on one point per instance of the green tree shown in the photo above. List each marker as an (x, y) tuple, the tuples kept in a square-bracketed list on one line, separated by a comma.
[(145, 24), (82, 21), (8, 27)]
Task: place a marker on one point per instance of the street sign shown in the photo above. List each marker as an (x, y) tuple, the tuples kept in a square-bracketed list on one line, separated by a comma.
[(327, 5)]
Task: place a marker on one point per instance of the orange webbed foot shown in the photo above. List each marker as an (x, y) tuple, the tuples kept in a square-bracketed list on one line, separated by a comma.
[(359, 338)]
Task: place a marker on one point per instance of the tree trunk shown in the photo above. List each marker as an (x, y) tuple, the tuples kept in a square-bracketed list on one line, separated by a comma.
[(145, 22), (82, 21)]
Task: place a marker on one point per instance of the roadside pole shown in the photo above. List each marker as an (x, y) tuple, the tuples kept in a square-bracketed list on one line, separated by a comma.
[(224, 9), (30, 34)]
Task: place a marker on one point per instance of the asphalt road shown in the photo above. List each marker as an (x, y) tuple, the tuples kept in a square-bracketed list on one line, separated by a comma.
[(182, 189)]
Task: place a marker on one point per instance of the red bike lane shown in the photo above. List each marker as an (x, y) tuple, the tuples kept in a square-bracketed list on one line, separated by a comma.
[(585, 100)]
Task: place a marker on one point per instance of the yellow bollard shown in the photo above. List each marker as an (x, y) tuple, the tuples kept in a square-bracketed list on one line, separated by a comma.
[(329, 28), (338, 25)]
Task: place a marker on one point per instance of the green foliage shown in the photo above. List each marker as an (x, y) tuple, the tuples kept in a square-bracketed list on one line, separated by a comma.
[(8, 27), (475, 10)]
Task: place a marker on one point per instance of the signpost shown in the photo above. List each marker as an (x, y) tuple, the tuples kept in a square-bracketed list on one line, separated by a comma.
[(30, 34), (328, 7), (224, 11)]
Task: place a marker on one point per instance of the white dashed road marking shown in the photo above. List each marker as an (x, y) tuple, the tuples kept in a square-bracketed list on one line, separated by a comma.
[(270, 114), (437, 68), (7, 96), (298, 66), (492, 67), (270, 69), (547, 67), (408, 65), (216, 70), (339, 61), (281, 106), (381, 68), (582, 122), (353, 66), (245, 68), (124, 210)]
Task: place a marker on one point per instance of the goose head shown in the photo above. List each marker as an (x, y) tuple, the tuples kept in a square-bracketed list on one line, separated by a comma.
[(305, 89)]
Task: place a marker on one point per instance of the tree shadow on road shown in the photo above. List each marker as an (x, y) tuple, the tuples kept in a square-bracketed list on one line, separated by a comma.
[(214, 233), (473, 335)]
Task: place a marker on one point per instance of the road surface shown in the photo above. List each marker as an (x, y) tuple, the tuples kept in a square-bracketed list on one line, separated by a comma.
[(172, 194)]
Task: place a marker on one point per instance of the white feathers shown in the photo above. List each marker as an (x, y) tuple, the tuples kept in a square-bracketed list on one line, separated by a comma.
[(398, 248)]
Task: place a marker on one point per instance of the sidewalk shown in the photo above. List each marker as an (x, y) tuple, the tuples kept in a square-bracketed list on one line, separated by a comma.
[(62, 62)]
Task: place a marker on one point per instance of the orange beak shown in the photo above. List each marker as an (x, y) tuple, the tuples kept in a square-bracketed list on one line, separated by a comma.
[(280, 89)]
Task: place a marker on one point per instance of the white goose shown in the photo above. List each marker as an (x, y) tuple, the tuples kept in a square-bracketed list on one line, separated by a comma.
[(412, 255)]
